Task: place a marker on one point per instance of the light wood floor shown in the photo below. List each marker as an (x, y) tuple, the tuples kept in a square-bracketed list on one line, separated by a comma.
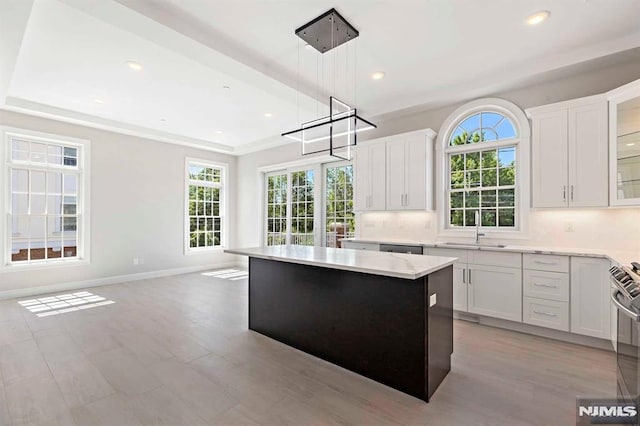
[(177, 351)]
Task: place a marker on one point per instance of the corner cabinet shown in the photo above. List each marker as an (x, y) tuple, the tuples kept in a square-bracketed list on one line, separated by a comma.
[(570, 153), (590, 297), (395, 173)]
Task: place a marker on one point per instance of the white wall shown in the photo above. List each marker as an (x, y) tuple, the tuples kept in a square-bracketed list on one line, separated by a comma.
[(137, 206), (546, 227)]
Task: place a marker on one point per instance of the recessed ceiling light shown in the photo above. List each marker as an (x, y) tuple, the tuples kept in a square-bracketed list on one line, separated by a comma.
[(268, 114), (308, 46), (163, 119), (134, 65), (218, 132), (538, 17), (631, 144), (378, 75), (98, 101)]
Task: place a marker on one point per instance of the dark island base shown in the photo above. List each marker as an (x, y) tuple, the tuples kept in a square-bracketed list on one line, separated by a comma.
[(380, 327)]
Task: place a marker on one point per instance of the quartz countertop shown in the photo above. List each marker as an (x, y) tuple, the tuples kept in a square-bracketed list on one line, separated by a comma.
[(398, 265), (618, 256)]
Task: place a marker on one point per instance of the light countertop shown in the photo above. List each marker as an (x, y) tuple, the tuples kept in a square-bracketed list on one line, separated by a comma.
[(618, 256), (398, 265)]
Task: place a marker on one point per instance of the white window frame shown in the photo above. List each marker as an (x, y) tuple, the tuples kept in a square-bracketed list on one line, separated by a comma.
[(224, 205), (521, 142), (83, 234), (317, 194), (325, 166)]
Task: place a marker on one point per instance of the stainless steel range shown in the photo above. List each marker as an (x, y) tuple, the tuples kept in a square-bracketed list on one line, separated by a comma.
[(626, 297)]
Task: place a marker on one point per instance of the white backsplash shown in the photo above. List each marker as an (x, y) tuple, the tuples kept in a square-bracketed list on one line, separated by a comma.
[(615, 229)]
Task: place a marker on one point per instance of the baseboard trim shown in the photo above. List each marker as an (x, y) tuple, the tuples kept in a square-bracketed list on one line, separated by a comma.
[(116, 279), (549, 333)]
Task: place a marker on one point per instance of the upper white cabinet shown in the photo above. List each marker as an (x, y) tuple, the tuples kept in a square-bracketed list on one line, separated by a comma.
[(370, 176), (570, 150), (624, 145), (395, 173), (409, 163)]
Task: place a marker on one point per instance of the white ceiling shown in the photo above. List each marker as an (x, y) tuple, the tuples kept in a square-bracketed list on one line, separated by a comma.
[(432, 51)]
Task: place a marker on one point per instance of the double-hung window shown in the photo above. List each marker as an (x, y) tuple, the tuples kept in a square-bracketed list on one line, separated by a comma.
[(45, 183), (482, 172), (205, 219)]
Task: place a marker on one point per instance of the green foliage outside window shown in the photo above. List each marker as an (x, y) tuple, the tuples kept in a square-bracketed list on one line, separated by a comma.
[(483, 181)]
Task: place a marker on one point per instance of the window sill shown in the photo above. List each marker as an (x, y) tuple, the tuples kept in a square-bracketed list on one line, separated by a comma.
[(45, 264)]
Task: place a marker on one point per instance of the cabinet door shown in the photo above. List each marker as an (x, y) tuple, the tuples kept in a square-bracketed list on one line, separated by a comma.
[(550, 168), (588, 156), (590, 298), (362, 170), (495, 291), (416, 172), (396, 178), (377, 176), (460, 287)]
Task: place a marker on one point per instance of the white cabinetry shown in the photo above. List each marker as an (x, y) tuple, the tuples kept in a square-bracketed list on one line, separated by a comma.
[(396, 172), (590, 297), (459, 274), (570, 153), (545, 285), (486, 282), (409, 165), (370, 176), (495, 291)]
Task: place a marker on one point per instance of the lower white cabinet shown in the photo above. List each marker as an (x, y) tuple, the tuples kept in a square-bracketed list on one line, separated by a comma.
[(495, 291), (460, 287), (590, 297), (545, 313)]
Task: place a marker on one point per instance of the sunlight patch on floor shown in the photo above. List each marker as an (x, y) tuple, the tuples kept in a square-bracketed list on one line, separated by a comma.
[(227, 274), (63, 303)]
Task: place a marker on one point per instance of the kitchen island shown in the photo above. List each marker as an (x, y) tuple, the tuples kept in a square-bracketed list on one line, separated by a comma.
[(386, 316)]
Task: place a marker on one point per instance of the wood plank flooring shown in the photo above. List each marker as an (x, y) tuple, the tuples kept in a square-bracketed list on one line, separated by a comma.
[(176, 351)]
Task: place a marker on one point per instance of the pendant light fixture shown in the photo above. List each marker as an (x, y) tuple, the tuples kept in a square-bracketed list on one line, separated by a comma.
[(335, 133)]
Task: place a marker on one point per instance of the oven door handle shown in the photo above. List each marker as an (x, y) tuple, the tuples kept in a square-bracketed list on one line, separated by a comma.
[(624, 309)]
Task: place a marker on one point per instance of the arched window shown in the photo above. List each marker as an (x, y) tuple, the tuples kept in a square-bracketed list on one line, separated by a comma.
[(481, 148)]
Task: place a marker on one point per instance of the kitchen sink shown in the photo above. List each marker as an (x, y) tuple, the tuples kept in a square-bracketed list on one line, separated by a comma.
[(480, 245)]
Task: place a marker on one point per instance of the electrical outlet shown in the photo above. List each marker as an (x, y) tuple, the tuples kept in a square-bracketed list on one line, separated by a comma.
[(136, 261), (433, 299), (568, 227)]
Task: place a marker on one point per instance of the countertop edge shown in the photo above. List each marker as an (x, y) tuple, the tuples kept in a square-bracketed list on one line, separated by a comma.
[(364, 270), (513, 249)]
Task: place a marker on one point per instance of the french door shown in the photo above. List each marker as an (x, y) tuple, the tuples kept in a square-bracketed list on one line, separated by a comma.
[(292, 210)]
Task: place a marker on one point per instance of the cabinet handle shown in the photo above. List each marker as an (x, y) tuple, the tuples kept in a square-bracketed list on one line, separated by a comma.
[(571, 192), (402, 200), (464, 272), (406, 200), (545, 285), (469, 275), (542, 262), (544, 313), (564, 193)]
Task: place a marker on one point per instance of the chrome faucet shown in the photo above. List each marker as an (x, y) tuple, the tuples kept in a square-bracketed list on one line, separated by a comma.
[(478, 233)]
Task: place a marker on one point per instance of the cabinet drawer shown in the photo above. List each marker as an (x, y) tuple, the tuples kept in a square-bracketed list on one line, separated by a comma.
[(360, 246), (445, 252), (494, 258), (546, 285), (545, 313), (546, 262)]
